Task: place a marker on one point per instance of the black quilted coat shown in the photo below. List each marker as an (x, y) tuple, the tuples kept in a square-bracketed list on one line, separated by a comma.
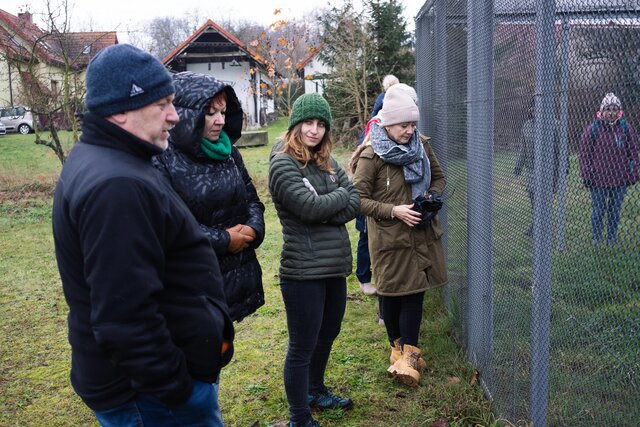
[(220, 194)]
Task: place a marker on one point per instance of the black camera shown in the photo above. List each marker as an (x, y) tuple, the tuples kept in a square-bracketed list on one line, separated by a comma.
[(428, 206)]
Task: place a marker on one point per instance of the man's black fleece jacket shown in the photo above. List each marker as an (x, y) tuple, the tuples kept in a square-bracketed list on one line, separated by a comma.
[(147, 313)]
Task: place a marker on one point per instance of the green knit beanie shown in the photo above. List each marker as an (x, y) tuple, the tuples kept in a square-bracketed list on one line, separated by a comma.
[(310, 106)]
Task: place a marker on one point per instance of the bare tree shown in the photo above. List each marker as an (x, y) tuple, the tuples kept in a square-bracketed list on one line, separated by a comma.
[(350, 52), (164, 34), (242, 29), (280, 47), (49, 65)]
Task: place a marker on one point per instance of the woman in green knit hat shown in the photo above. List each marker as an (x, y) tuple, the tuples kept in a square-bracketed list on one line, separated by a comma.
[(314, 199)]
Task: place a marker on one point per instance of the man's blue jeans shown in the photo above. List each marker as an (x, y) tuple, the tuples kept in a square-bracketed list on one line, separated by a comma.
[(201, 409), (609, 201)]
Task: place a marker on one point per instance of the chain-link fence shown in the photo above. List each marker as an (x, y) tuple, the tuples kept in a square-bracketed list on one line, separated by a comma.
[(532, 106)]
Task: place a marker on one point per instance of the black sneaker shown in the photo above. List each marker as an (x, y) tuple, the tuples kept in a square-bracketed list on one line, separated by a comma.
[(327, 400)]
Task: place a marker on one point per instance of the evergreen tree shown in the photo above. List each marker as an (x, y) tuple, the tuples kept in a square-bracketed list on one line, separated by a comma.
[(388, 29), (349, 52), (361, 48)]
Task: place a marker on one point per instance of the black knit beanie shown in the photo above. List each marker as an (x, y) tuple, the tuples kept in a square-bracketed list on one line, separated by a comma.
[(123, 78)]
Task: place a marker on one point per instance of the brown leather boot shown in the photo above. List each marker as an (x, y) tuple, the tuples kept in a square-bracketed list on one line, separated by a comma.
[(406, 368), (396, 353)]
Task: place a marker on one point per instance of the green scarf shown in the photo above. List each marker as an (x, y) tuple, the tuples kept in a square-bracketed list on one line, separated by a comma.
[(219, 150)]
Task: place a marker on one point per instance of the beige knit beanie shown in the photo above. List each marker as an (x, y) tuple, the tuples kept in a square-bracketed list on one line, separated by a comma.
[(398, 107), (407, 89)]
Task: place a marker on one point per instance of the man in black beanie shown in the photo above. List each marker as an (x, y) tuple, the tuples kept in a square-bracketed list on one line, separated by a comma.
[(148, 323)]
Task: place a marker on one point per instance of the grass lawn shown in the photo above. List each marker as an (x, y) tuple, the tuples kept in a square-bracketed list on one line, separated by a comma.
[(595, 310), (35, 355)]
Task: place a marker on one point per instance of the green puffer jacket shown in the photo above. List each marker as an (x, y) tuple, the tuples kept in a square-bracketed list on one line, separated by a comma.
[(316, 241)]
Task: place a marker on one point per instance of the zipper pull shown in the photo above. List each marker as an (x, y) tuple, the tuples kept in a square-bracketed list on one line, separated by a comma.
[(387, 177)]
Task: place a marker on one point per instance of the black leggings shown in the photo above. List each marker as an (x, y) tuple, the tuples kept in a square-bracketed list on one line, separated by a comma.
[(314, 315), (402, 317)]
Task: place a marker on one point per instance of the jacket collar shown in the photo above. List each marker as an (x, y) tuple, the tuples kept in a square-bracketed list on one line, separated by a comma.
[(97, 130)]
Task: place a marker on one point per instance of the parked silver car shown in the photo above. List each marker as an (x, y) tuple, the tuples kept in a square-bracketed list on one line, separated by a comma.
[(17, 119)]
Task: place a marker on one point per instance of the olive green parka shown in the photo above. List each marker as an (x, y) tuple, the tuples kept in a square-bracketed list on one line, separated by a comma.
[(405, 260)]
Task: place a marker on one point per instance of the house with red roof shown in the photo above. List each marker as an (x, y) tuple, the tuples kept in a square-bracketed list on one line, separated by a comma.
[(313, 71), (38, 63), (214, 51)]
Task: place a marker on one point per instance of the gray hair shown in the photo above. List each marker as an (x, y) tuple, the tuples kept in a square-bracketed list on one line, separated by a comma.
[(388, 81)]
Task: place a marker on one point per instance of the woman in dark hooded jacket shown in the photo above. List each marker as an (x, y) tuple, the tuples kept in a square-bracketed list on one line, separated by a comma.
[(207, 171)]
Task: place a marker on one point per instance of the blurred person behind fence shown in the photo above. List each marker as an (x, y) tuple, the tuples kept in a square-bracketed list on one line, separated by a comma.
[(401, 183), (206, 169), (525, 159), (148, 324), (608, 165), (314, 200)]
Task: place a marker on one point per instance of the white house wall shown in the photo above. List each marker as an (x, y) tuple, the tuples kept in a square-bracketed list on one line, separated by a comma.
[(240, 79), (4, 84), (315, 85)]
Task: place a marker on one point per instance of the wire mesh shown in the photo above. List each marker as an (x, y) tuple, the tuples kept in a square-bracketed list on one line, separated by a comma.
[(532, 107)]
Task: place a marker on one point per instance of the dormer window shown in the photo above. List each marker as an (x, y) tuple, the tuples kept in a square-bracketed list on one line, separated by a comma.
[(86, 50), (41, 41), (15, 41)]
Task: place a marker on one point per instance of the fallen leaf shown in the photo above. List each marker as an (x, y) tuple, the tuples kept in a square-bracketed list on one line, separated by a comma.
[(442, 422), (453, 381), (474, 378)]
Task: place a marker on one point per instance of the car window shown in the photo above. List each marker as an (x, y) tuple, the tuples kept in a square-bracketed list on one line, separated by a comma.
[(20, 111)]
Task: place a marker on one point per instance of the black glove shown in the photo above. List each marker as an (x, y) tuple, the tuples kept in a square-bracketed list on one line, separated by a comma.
[(428, 206)]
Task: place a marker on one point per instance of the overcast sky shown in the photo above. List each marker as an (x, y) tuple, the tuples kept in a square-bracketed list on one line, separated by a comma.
[(124, 15)]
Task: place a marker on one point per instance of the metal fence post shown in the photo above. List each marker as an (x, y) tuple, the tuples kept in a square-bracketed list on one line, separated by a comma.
[(563, 135), (440, 135), (543, 164), (480, 139), (425, 85)]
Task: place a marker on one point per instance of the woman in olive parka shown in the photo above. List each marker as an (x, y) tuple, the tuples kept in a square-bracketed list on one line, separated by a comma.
[(400, 183)]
